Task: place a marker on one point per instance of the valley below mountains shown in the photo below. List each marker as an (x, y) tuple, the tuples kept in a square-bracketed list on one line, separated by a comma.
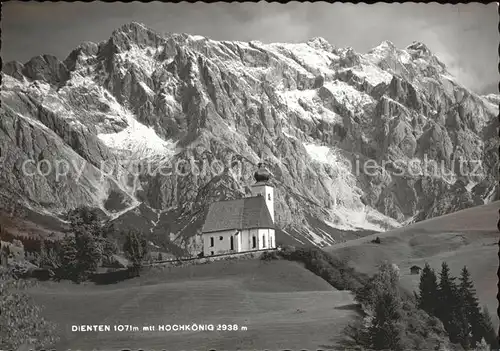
[(152, 128)]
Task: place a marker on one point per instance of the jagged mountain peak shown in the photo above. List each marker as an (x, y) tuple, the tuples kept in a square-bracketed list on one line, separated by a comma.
[(320, 43), (135, 33), (387, 44), (493, 98), (310, 108), (134, 26), (419, 47)]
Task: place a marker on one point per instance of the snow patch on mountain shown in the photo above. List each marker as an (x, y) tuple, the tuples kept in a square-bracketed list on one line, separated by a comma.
[(316, 60), (196, 37), (348, 213), (136, 137), (10, 84), (142, 59), (283, 53), (360, 219), (320, 153), (348, 96), (373, 74), (307, 105), (147, 89), (404, 57), (296, 99), (380, 52), (315, 238)]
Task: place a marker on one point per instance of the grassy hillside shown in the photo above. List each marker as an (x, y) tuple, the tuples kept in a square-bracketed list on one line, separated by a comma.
[(467, 237), (282, 304)]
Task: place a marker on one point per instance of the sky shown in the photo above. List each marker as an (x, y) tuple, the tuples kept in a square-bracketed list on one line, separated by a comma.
[(464, 36)]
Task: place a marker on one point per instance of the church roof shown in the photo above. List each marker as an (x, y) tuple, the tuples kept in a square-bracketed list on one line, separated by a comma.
[(246, 213)]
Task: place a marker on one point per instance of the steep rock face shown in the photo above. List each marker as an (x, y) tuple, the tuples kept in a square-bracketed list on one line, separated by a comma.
[(165, 125)]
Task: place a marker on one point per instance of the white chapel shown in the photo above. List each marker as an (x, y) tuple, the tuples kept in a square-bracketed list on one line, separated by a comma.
[(241, 225)]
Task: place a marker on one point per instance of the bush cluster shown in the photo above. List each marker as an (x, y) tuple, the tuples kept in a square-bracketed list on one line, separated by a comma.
[(336, 272), (457, 306), (20, 319)]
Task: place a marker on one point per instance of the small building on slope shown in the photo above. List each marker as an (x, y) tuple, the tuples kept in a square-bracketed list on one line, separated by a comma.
[(242, 225)]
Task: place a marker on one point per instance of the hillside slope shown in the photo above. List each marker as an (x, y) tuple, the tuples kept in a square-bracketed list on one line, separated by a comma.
[(281, 304), (152, 128), (468, 237)]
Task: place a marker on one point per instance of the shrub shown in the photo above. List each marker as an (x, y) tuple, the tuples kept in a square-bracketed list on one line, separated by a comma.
[(82, 251), (376, 240), (335, 272), (136, 248), (20, 319), (79, 256), (397, 323), (269, 256)]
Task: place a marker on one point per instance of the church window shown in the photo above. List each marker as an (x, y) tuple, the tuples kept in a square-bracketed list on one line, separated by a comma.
[(264, 241), (221, 237), (212, 241), (269, 197), (254, 242)]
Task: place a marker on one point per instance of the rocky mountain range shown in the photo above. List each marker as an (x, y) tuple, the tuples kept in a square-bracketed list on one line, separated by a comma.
[(151, 128)]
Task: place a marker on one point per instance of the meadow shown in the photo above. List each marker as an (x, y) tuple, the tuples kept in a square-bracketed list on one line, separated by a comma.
[(468, 237), (279, 303)]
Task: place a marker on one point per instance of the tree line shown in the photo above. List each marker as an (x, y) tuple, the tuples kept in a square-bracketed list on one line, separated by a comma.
[(455, 303), (89, 243), (444, 314)]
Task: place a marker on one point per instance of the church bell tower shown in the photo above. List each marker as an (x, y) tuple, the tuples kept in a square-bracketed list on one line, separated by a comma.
[(263, 187)]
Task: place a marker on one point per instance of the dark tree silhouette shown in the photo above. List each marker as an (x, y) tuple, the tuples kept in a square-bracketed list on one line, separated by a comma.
[(487, 329), (83, 250), (385, 332), (448, 306), (428, 291), (136, 249), (469, 310)]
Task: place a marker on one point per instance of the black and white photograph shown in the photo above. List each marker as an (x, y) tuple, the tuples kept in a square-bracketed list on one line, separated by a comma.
[(249, 176)]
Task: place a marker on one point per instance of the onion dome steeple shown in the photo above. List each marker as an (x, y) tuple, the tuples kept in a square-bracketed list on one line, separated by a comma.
[(262, 175)]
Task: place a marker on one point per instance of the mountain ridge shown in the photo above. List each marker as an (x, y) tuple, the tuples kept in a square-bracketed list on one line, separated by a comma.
[(311, 109)]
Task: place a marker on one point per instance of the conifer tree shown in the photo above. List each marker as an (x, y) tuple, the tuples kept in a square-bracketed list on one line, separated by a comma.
[(385, 332), (82, 252), (89, 254), (428, 291), (487, 330), (470, 312), (68, 256), (448, 307), (136, 249)]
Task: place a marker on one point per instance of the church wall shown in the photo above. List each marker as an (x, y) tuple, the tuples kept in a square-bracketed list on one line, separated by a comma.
[(267, 239), (264, 239), (220, 246), (245, 243), (247, 239), (272, 239)]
